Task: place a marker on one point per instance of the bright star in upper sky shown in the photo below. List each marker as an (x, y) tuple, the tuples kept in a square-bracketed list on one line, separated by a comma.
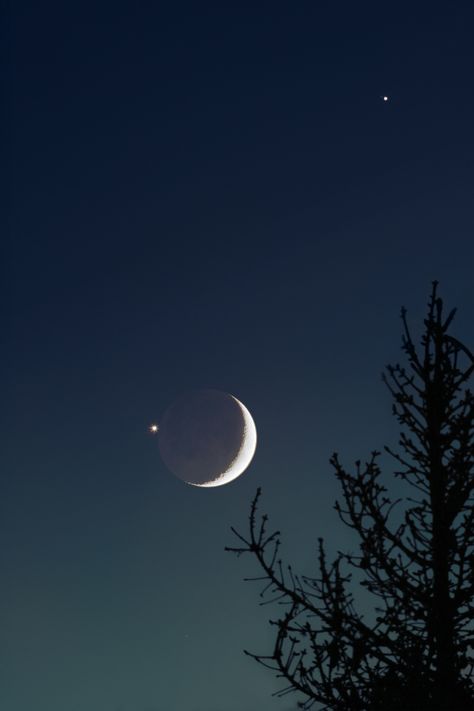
[(385, 98), (153, 428)]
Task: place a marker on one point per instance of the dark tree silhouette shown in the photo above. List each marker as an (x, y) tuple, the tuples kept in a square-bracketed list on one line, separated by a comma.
[(417, 654)]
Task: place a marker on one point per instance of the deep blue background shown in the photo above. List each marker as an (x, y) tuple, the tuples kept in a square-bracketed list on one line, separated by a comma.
[(206, 195)]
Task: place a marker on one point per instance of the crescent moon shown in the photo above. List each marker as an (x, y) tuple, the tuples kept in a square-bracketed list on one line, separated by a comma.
[(245, 454)]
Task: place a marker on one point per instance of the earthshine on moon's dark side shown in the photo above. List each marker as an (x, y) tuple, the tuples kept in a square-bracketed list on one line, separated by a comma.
[(207, 438)]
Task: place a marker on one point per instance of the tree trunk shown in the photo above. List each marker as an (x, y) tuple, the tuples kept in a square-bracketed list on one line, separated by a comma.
[(442, 629)]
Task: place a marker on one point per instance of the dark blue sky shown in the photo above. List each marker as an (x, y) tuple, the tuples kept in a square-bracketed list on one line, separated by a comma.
[(206, 195)]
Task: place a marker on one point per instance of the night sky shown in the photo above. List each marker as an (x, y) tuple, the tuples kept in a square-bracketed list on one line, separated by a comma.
[(206, 195)]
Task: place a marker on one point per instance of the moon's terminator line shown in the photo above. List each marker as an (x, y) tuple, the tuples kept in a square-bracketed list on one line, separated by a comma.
[(207, 438)]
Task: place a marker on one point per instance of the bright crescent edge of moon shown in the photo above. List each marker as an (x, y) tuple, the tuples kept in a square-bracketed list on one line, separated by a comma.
[(244, 456)]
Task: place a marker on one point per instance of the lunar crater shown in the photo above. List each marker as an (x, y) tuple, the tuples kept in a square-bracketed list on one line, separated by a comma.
[(207, 438)]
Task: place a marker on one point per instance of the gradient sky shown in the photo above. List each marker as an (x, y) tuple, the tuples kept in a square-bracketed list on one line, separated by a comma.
[(206, 195)]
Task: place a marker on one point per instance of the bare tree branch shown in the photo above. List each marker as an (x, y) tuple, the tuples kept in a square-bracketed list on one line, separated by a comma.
[(418, 654)]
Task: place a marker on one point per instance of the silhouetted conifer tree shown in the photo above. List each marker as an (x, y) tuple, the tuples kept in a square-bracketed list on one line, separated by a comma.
[(418, 653)]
